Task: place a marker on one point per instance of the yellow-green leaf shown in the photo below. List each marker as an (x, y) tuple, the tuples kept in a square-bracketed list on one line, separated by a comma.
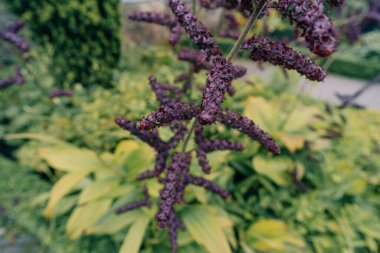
[(85, 216), (71, 159), (262, 113), (38, 137), (112, 223), (62, 187), (205, 229), (133, 240)]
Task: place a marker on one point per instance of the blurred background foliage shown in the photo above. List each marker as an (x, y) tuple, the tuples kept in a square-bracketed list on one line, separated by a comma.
[(82, 38), (69, 167)]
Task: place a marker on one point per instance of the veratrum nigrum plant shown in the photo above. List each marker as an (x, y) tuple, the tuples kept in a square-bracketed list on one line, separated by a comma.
[(190, 118), (9, 34)]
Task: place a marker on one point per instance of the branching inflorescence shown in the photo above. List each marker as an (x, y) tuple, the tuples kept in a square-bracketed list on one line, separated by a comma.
[(9, 34), (188, 118)]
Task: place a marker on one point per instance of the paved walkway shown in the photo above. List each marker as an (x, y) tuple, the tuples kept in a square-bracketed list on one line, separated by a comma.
[(332, 84)]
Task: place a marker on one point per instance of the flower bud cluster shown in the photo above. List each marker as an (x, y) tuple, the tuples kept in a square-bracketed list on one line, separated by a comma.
[(167, 114), (280, 54), (317, 28), (209, 185)]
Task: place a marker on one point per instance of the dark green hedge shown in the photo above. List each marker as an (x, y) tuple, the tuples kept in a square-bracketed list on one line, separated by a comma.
[(84, 36)]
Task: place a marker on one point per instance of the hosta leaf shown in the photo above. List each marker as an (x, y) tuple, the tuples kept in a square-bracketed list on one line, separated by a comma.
[(62, 187), (292, 143), (97, 190), (71, 159), (262, 113), (277, 169), (112, 223), (133, 240), (273, 236), (205, 229), (85, 216)]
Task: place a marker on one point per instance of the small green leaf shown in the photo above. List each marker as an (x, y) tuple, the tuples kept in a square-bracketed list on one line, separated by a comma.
[(133, 240), (277, 169), (62, 187)]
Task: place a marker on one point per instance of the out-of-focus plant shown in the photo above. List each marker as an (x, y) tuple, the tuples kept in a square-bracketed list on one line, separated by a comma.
[(83, 37), (9, 34)]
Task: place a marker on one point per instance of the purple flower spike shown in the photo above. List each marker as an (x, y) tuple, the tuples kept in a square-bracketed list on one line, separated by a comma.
[(246, 126), (180, 132), (219, 80), (209, 185), (18, 78), (137, 204), (167, 114), (15, 40), (16, 26), (210, 145), (169, 194), (160, 91), (61, 93), (153, 17), (197, 32), (282, 55)]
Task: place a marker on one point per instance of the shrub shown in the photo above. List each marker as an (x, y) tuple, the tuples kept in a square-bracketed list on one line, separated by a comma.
[(83, 37)]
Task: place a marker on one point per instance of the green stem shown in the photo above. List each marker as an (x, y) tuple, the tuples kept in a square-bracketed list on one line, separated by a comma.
[(194, 6), (251, 22), (188, 136)]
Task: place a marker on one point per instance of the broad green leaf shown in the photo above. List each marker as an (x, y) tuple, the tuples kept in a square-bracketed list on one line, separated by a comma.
[(71, 159), (85, 216), (273, 235), (133, 240), (205, 229), (299, 119), (62, 187), (277, 169), (97, 190), (38, 137), (65, 205)]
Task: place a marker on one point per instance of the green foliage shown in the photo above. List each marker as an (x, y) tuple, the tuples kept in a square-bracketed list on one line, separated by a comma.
[(82, 37), (320, 195)]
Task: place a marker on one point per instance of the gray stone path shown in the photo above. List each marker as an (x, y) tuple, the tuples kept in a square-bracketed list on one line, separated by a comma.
[(327, 89)]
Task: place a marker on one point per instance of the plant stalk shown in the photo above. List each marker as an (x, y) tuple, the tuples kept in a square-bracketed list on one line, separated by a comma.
[(251, 22)]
